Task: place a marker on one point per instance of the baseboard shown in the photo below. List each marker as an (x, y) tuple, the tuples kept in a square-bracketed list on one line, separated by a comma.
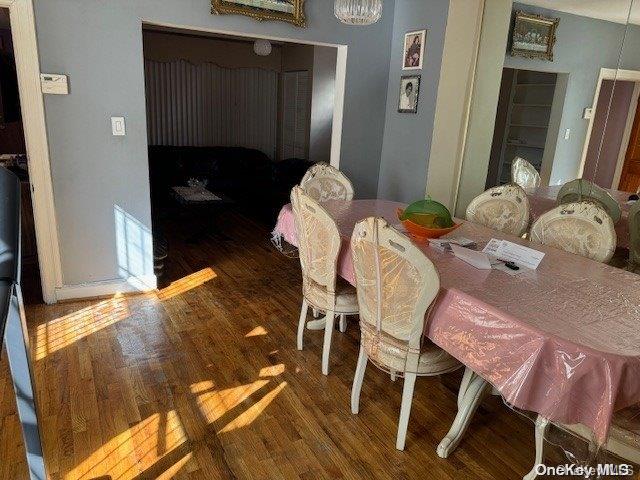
[(110, 287)]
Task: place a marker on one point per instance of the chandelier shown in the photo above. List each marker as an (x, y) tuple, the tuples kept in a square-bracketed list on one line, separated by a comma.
[(358, 12), (262, 48)]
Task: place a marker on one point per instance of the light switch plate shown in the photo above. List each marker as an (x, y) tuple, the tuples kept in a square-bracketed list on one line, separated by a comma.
[(567, 134), (117, 127)]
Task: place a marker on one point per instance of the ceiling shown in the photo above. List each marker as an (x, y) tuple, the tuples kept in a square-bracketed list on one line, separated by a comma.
[(610, 10)]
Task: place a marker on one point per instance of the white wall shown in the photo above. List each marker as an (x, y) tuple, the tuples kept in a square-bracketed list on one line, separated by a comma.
[(322, 101)]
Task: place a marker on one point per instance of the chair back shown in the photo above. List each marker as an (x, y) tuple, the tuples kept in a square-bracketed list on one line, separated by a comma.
[(634, 235), (323, 182), (504, 208), (396, 284), (581, 228), (318, 244), (583, 190), (524, 174)]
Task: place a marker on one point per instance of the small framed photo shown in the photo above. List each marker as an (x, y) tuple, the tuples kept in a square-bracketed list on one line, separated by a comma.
[(409, 93), (413, 52), (533, 36)]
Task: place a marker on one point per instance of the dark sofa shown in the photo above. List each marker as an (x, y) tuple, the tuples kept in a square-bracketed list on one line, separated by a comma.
[(258, 186)]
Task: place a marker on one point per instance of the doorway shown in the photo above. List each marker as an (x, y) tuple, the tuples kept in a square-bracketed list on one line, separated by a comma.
[(13, 156)]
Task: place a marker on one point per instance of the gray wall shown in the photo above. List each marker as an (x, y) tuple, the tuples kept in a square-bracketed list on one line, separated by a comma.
[(407, 137), (584, 46), (99, 45)]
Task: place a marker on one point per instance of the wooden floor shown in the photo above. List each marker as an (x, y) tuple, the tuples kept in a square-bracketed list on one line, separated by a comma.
[(202, 380)]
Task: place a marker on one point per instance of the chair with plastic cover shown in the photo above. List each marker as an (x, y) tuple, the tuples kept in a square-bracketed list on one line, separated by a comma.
[(583, 190), (396, 285), (504, 208), (323, 182), (524, 174), (319, 246), (581, 228), (634, 236)]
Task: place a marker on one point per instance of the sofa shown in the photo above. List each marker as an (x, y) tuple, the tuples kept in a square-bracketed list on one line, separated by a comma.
[(258, 186)]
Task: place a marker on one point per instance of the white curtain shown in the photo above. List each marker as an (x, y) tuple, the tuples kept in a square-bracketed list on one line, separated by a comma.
[(207, 105)]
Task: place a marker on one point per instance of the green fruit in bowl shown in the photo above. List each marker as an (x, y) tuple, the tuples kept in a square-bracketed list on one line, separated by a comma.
[(428, 213)]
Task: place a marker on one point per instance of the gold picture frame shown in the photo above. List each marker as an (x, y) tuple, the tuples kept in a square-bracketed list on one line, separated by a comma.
[(534, 36), (259, 10)]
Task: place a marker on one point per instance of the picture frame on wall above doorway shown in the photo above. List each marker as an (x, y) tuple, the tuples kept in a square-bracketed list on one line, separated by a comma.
[(534, 36), (413, 51), (290, 11), (409, 94)]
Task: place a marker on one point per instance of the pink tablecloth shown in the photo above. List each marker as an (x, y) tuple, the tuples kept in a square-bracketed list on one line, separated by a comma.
[(543, 199), (562, 341)]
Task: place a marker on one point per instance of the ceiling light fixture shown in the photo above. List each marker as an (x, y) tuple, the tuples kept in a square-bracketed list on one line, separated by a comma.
[(262, 47), (358, 12)]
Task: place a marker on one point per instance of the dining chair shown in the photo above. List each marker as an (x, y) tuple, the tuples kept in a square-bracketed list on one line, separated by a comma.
[(623, 440), (582, 228), (323, 182), (319, 245), (634, 236), (524, 174), (581, 189), (504, 208), (396, 284)]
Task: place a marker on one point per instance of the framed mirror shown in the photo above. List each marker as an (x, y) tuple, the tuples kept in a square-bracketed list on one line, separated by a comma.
[(291, 11)]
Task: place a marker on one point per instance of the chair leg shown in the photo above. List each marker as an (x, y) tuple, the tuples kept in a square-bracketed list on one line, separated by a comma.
[(326, 347), (464, 385), (357, 381), (542, 426), (343, 323), (302, 322), (405, 409)]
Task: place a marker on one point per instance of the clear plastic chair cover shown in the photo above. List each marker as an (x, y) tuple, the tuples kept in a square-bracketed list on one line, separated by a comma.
[(318, 244), (323, 182), (581, 228), (634, 236), (524, 174), (580, 190), (504, 208), (396, 284)]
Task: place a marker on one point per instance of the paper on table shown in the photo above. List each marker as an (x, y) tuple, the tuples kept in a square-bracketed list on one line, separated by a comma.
[(523, 257), (472, 257), (444, 244)]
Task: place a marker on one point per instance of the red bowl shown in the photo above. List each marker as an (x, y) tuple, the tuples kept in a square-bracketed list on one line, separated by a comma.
[(423, 232)]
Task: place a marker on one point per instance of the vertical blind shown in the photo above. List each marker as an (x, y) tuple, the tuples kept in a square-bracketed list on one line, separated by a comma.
[(207, 105)]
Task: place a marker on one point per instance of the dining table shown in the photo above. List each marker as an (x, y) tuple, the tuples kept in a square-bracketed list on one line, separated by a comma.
[(543, 199), (561, 340)]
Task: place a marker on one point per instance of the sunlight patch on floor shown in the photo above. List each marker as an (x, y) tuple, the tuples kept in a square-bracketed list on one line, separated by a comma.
[(272, 370), (214, 404), (187, 283), (254, 411), (256, 332), (64, 331), (135, 450)]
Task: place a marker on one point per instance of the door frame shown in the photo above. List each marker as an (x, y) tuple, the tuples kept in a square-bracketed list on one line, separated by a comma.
[(23, 34), (606, 74)]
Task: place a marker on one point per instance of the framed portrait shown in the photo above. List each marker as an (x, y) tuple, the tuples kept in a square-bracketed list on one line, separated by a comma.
[(409, 93), (533, 36), (413, 51), (291, 11)]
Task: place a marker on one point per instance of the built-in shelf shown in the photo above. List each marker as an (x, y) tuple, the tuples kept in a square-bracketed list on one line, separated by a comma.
[(540, 105), (535, 85), (523, 125), (524, 145)]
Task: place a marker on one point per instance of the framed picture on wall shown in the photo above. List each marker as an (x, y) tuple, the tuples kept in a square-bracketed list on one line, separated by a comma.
[(533, 36), (413, 51), (409, 93), (291, 11)]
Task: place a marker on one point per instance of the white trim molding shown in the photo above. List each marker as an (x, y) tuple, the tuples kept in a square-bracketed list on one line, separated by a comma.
[(107, 288), (33, 118)]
